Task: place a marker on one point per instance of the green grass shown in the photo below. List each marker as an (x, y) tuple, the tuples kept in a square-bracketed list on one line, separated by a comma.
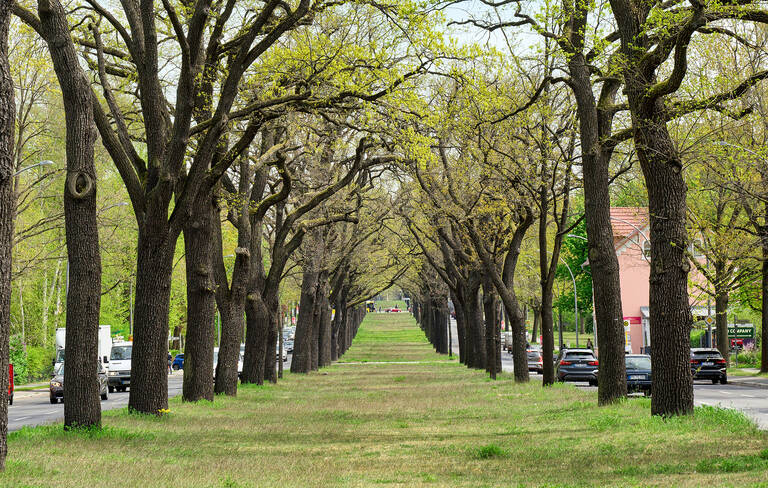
[(741, 372), (416, 424), (381, 331)]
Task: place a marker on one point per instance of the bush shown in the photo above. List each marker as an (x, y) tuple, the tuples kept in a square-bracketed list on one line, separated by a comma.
[(696, 337), (18, 357), (749, 359), (39, 363)]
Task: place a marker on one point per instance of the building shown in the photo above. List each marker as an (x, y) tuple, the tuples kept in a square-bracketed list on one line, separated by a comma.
[(631, 239)]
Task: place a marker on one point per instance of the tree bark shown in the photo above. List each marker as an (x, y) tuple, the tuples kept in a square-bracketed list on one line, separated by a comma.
[(324, 346), (201, 306), (256, 317), (82, 407), (491, 327), (149, 364), (302, 346), (595, 126), (764, 285), (7, 217)]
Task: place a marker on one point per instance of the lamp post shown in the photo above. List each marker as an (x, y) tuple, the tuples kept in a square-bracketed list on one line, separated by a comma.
[(47, 162)]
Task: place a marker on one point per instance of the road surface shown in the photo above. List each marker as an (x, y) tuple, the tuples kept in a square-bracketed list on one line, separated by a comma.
[(34, 407), (752, 400)]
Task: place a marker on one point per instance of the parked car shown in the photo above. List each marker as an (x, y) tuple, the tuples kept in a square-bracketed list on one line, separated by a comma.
[(56, 388), (178, 362), (708, 364), (638, 368), (277, 353), (11, 387), (535, 361), (577, 365), (288, 346)]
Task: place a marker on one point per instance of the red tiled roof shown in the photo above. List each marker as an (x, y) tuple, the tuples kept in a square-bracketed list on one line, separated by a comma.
[(637, 216)]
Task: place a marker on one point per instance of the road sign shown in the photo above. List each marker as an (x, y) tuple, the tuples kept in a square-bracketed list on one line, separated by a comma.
[(742, 331), (710, 320)]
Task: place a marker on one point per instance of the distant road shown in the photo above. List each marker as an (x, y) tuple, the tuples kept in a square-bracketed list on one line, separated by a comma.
[(750, 399)]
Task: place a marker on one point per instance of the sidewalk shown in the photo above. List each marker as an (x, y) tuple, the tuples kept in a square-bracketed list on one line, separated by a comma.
[(754, 381)]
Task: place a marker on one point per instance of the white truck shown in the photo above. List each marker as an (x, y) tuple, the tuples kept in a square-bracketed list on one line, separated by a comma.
[(105, 345), (119, 375)]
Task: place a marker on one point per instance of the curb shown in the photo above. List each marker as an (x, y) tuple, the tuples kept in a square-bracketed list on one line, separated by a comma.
[(756, 384)]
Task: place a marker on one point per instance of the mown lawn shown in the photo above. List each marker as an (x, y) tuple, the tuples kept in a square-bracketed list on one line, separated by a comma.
[(422, 424)]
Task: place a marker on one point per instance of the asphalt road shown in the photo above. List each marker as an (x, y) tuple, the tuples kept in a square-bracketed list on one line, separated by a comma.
[(34, 407), (750, 399)]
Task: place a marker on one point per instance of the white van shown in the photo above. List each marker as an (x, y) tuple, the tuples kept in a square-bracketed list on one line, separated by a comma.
[(120, 366)]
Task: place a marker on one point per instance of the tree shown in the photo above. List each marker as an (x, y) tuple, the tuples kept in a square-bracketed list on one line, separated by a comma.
[(83, 407), (7, 210), (650, 37)]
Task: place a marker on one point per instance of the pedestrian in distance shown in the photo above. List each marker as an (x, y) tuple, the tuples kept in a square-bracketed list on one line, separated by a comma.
[(170, 360), (589, 344)]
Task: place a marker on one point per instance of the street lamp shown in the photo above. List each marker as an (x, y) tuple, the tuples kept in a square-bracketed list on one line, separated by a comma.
[(41, 163), (575, 301)]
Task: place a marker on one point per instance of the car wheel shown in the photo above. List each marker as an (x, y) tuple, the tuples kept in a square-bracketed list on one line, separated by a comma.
[(111, 389), (175, 367), (724, 380), (54, 400), (714, 381)]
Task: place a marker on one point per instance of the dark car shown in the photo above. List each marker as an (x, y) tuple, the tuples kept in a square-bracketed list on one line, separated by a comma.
[(535, 360), (57, 384), (577, 365), (638, 372), (178, 362), (708, 364)]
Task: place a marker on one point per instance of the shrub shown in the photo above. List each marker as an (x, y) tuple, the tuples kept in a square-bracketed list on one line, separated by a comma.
[(18, 357), (39, 365), (749, 359), (489, 451)]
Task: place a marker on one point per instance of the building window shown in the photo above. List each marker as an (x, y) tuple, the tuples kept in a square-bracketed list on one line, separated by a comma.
[(647, 250), (696, 248)]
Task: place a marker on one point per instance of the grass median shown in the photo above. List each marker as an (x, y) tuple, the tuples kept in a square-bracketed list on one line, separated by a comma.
[(398, 421)]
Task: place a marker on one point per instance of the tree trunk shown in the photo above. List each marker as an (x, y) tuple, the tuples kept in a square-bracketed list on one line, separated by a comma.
[(324, 346), (491, 326), (273, 310), (764, 283), (257, 318), (232, 315), (201, 305), (595, 125), (82, 407), (7, 216), (149, 364), (670, 311), (721, 311), (458, 307), (475, 327), (302, 346), (536, 322), (547, 338)]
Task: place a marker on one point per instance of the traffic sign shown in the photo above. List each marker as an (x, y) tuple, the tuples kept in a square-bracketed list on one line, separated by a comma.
[(744, 331), (710, 320)]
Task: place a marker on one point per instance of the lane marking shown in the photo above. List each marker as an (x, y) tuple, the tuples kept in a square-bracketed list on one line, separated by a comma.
[(21, 418)]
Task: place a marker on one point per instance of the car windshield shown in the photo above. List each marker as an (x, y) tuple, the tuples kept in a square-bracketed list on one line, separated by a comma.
[(533, 355), (59, 369), (60, 356), (120, 353), (707, 353), (638, 363), (579, 355)]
